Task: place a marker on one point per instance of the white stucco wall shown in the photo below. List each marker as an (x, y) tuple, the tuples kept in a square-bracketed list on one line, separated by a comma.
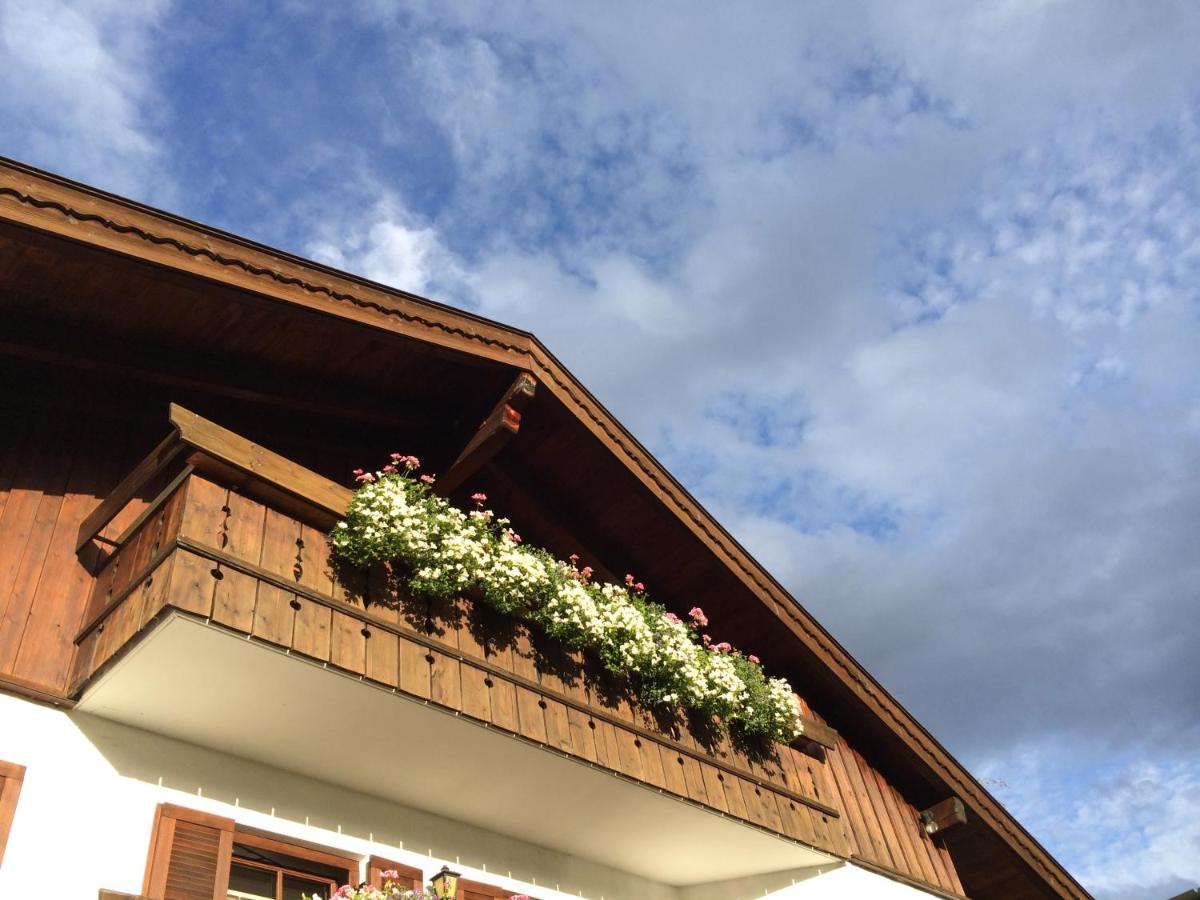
[(86, 808)]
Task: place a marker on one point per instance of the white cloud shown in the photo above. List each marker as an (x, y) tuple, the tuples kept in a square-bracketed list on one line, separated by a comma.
[(908, 297), (1128, 825), (387, 244), (78, 89)]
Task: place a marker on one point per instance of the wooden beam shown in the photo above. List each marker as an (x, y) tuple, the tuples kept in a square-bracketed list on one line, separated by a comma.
[(496, 431), (160, 457), (940, 816), (815, 733), (216, 450), (236, 452)]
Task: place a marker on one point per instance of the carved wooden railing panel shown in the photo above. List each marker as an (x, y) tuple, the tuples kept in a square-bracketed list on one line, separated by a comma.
[(206, 547), (208, 550)]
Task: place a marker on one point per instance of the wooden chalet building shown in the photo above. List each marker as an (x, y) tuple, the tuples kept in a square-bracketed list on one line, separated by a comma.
[(193, 704)]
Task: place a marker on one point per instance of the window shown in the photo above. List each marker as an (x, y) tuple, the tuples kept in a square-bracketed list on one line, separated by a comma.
[(199, 856), (262, 870)]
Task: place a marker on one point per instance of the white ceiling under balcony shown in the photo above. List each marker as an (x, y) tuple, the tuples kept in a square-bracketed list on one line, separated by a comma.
[(197, 683)]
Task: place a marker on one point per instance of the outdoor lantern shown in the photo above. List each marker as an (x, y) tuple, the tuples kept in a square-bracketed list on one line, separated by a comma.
[(445, 884)]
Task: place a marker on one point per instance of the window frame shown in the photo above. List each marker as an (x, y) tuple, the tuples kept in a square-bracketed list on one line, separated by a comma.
[(230, 833)]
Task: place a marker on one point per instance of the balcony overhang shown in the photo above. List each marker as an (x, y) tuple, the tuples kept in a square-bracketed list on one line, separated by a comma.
[(194, 681)]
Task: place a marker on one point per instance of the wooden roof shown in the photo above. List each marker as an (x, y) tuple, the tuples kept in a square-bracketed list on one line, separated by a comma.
[(135, 293)]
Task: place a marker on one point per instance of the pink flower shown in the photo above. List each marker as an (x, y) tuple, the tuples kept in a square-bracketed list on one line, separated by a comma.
[(586, 571), (389, 875), (389, 468), (639, 587), (357, 472), (396, 457), (411, 462), (754, 659), (479, 498), (707, 640), (365, 476), (723, 647), (428, 479), (674, 619), (574, 557), (697, 615), (514, 537), (629, 579)]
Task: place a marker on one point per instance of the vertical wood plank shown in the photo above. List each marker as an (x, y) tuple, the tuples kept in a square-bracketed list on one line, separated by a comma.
[(503, 703), (203, 512), (45, 651), (652, 767), (315, 572), (630, 753), (347, 643), (274, 617), (733, 795), (852, 801), (244, 526), (608, 751), (469, 643), (558, 726), (583, 737), (414, 669), (693, 777), (531, 719), (34, 544), (714, 787), (849, 829), (672, 769), (868, 803), (445, 681), (311, 629), (476, 698), (280, 547), (191, 587), (383, 658), (234, 598), (918, 864), (155, 590)]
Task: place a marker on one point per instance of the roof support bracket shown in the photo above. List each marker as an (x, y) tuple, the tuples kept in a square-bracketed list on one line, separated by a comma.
[(940, 816), (496, 431)]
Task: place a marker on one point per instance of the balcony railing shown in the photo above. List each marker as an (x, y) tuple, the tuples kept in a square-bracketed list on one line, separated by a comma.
[(237, 539)]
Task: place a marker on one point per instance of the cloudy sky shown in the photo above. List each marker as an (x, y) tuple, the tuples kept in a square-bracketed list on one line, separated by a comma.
[(907, 294)]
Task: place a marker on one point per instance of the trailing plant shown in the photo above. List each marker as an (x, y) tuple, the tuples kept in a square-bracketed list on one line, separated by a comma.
[(446, 552)]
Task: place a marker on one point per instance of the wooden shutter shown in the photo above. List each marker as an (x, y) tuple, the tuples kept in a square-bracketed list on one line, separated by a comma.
[(409, 877), (190, 853), (11, 777), (477, 890)]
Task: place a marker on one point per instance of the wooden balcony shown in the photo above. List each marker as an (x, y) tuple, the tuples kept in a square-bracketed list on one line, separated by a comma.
[(236, 541)]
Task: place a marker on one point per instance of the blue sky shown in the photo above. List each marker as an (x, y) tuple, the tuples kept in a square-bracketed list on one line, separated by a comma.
[(907, 294)]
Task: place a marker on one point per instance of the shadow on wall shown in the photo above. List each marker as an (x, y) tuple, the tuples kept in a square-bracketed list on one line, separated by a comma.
[(292, 800)]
